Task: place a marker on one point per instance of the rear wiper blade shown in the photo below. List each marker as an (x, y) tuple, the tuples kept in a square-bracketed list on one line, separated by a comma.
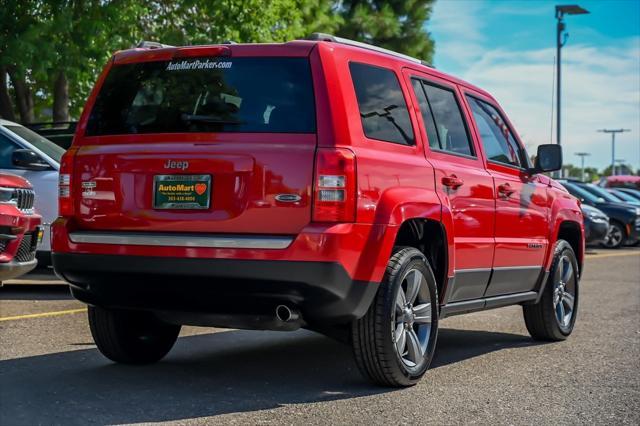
[(207, 119)]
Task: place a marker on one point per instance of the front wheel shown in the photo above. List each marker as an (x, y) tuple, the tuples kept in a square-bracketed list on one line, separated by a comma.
[(554, 316), (131, 337), (615, 237), (394, 342)]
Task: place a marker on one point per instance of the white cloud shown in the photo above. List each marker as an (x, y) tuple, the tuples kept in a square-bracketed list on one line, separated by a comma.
[(464, 37), (601, 88), (601, 85)]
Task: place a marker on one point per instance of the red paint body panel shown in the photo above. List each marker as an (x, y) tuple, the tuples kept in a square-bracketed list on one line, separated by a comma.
[(395, 183), (248, 171)]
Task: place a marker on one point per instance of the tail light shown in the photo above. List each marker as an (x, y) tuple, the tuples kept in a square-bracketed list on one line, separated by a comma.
[(65, 184), (334, 192)]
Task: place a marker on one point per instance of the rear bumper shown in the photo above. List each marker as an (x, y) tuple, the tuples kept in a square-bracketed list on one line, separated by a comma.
[(362, 250), (211, 289), (15, 269)]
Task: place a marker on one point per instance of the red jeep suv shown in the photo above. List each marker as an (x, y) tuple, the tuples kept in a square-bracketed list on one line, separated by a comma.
[(20, 229), (321, 183)]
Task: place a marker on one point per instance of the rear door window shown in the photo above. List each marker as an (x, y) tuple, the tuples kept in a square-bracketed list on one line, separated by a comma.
[(383, 109), (442, 117), (258, 95)]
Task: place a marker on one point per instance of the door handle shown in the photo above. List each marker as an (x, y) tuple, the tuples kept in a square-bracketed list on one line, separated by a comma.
[(505, 190), (452, 181)]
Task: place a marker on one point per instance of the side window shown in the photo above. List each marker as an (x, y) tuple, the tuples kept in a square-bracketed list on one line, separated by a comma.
[(383, 109), (427, 114), (497, 140), (447, 120), (6, 151)]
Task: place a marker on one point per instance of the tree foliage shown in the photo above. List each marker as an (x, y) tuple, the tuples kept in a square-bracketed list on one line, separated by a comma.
[(395, 24), (53, 50)]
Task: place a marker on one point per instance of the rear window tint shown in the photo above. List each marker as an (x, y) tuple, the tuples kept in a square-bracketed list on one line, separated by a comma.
[(270, 95), (383, 109)]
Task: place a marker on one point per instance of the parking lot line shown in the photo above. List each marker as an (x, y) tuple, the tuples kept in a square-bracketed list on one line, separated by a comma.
[(44, 314), (594, 256)]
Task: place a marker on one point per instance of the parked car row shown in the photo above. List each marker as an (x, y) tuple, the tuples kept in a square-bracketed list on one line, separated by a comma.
[(623, 213), (31, 156)]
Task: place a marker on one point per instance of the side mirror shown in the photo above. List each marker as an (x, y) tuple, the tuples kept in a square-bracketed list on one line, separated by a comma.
[(549, 158), (29, 160)]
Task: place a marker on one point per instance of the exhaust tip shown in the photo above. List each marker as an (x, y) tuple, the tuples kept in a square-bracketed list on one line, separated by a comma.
[(285, 314)]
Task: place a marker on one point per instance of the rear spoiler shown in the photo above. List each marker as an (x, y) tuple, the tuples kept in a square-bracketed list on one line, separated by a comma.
[(152, 45)]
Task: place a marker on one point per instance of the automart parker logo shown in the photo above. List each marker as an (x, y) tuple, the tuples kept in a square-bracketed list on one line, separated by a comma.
[(197, 65)]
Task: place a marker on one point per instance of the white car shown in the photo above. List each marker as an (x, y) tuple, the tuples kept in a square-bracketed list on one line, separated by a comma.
[(25, 153)]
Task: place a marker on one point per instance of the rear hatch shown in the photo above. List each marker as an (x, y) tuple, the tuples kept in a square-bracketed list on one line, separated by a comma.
[(199, 144)]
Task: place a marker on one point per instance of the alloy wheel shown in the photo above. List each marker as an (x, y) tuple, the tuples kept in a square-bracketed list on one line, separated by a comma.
[(564, 292), (614, 236), (413, 311)]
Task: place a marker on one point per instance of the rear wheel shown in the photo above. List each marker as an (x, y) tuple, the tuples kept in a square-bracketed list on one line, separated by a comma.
[(131, 337), (615, 237), (554, 316), (394, 342)]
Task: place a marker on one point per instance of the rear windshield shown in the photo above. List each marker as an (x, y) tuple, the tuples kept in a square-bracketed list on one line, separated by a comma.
[(272, 95)]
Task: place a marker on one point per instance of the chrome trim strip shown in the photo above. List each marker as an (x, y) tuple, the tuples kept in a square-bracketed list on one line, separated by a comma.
[(182, 240), (471, 270), (499, 268), (516, 268)]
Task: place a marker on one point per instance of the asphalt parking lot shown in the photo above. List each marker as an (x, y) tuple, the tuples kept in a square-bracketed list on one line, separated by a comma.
[(486, 370)]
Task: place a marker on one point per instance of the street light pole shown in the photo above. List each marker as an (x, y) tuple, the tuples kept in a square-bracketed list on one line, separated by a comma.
[(613, 146), (582, 155), (559, 43), (561, 40)]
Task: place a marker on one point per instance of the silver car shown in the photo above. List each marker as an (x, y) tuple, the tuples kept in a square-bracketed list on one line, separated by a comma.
[(25, 153)]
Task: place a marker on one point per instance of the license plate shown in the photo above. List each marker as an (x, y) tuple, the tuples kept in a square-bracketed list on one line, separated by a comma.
[(184, 192)]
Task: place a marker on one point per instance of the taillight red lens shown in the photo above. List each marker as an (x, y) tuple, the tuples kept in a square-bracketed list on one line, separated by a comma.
[(65, 184), (334, 186)]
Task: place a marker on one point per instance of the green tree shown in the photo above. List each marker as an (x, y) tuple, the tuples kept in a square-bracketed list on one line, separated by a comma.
[(82, 34), (395, 24), (621, 169), (52, 50), (19, 48)]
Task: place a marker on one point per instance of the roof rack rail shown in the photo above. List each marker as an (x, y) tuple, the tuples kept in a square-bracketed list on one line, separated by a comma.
[(334, 39), (152, 45)]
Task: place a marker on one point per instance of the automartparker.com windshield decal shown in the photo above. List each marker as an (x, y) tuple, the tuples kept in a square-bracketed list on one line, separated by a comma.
[(197, 64)]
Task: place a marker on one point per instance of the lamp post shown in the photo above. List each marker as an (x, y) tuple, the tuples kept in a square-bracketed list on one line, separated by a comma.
[(582, 155), (561, 40), (613, 146)]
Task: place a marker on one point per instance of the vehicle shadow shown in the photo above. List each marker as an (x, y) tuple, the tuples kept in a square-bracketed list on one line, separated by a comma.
[(204, 375)]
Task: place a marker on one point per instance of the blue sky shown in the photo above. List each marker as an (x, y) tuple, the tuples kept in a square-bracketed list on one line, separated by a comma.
[(508, 47)]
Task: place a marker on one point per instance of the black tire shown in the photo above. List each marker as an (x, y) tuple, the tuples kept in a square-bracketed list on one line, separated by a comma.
[(617, 229), (131, 337), (372, 336), (541, 318)]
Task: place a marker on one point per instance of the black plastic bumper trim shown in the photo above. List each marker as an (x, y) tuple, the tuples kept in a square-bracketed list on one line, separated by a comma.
[(323, 291)]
